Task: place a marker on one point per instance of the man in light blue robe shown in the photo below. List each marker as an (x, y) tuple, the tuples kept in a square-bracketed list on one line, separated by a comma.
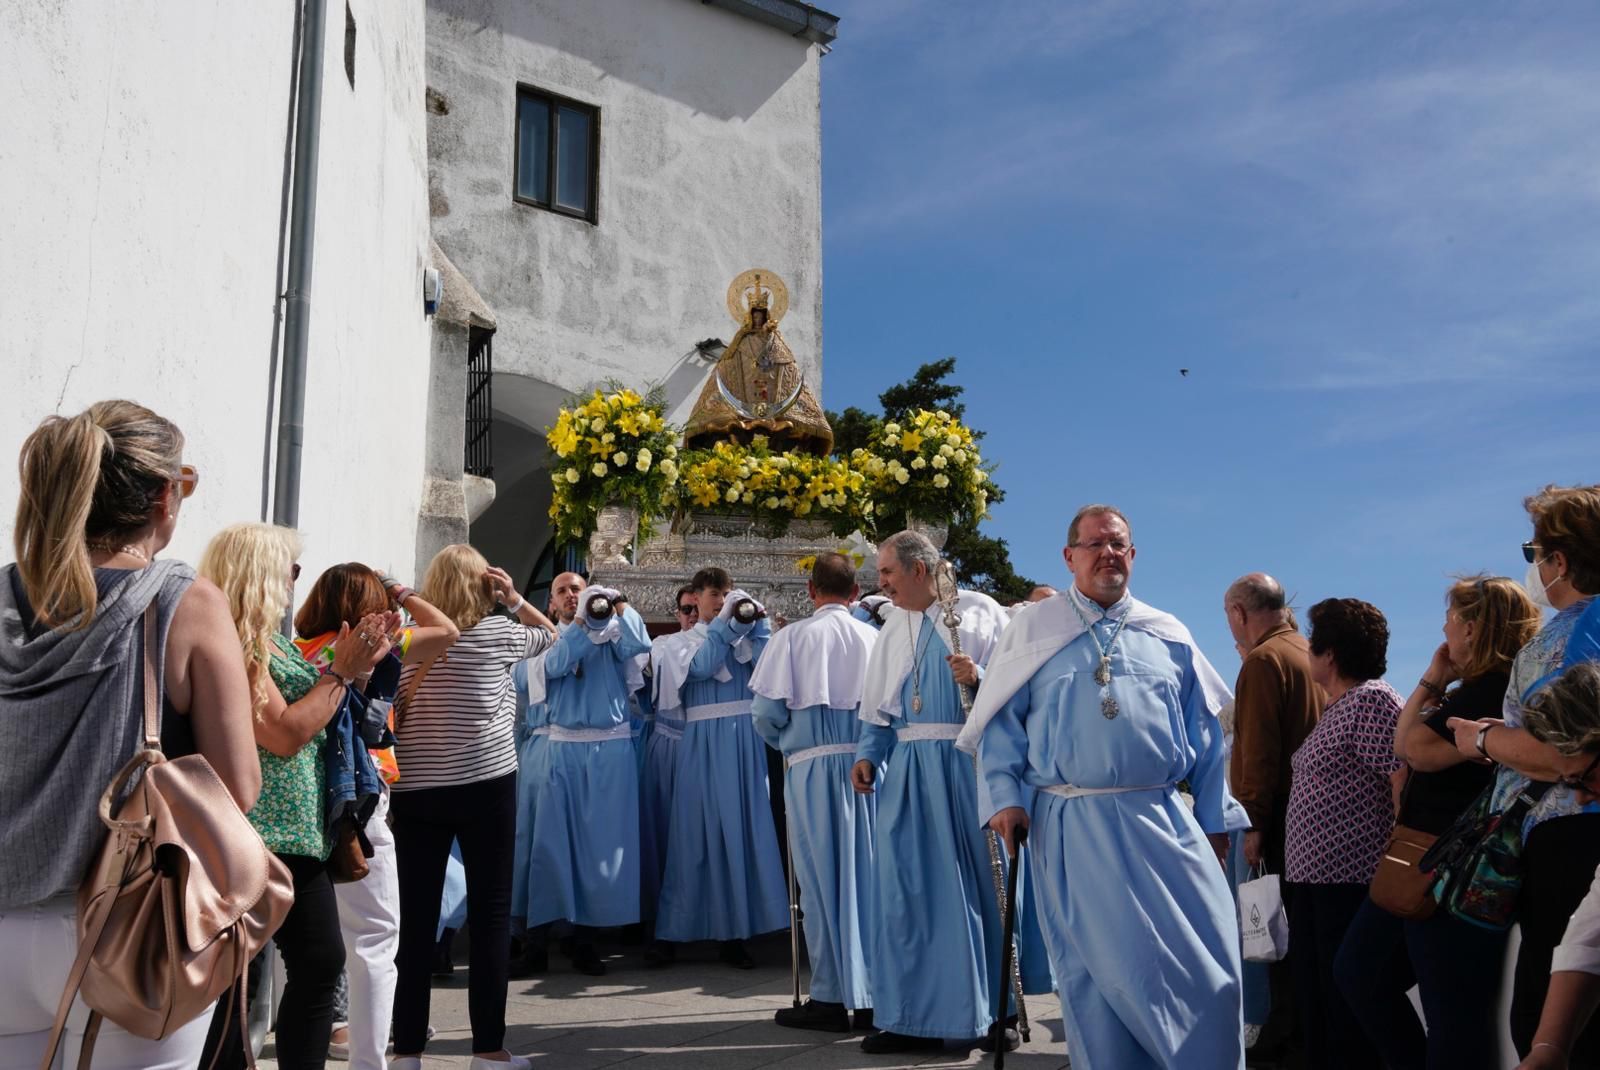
[(659, 765), (533, 731), (807, 699), (724, 879), (585, 851), (935, 927), (1095, 706)]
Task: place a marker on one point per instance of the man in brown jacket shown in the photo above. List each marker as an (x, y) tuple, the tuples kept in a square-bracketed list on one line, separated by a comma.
[(1276, 705)]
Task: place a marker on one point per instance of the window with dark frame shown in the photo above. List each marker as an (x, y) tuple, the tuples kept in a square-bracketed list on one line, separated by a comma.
[(557, 154)]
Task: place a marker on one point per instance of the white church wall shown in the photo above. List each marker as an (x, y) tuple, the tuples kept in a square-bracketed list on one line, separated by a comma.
[(142, 157)]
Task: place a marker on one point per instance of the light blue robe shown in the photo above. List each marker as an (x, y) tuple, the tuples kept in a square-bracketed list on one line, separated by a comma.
[(935, 929), (531, 776), (724, 877), (585, 851), (1137, 913), (831, 828)]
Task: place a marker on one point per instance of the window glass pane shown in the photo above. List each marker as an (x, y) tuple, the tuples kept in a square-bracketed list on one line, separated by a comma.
[(533, 149), (572, 160)]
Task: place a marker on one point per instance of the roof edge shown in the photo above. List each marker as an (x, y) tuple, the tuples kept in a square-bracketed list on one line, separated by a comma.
[(794, 17)]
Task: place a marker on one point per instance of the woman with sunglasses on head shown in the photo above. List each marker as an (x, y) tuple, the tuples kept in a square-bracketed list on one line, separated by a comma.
[(100, 498), (1456, 966), (369, 909), (1561, 845), (293, 701)]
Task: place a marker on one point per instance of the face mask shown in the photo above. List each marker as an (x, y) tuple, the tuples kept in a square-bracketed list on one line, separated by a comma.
[(1537, 589)]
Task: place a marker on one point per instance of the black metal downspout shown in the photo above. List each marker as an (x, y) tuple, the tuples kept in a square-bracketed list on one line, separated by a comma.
[(297, 291)]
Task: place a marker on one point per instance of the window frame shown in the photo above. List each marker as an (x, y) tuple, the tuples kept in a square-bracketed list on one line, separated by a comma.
[(555, 102)]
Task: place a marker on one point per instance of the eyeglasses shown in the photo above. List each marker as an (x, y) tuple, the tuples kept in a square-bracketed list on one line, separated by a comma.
[(188, 480), (1117, 547), (1581, 782), (1530, 552), (689, 611)]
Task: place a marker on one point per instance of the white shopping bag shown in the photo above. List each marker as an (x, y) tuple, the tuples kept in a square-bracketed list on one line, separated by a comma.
[(1262, 921)]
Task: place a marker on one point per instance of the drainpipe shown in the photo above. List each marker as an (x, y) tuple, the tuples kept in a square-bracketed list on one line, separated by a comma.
[(297, 292)]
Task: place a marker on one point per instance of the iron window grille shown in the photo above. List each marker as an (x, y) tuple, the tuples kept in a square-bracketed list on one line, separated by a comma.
[(480, 398)]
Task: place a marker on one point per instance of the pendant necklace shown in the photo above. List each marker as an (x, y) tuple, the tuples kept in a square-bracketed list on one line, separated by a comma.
[(1102, 673), (916, 674)]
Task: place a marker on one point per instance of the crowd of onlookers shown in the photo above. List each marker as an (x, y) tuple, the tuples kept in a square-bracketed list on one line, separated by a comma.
[(1369, 803), (1339, 772)]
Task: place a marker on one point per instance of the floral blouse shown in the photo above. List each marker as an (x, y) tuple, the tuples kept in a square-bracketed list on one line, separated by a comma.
[(1341, 807), (289, 812)]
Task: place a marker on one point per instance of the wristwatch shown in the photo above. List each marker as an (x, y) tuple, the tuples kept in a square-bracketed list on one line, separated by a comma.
[(1483, 735)]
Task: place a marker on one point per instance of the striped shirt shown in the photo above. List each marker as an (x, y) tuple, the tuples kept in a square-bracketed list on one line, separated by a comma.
[(461, 725)]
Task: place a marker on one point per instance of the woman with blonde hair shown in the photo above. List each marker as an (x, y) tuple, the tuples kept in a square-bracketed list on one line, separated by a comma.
[(254, 565), (458, 761), (100, 497), (1455, 966)]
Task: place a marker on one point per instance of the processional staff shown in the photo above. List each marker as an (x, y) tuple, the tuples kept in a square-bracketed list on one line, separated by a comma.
[(948, 593)]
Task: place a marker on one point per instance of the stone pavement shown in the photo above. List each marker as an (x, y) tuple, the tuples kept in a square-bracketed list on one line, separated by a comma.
[(696, 1015)]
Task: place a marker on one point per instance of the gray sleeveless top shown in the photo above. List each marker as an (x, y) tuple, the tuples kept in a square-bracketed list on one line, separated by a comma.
[(71, 715)]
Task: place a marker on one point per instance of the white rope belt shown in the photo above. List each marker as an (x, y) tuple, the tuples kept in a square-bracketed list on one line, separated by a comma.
[(668, 728), (913, 733), (590, 735), (819, 752), (542, 730), (1072, 791), (716, 709)]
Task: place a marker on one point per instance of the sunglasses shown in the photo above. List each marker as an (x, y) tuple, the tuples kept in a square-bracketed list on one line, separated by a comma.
[(1530, 552), (294, 572), (689, 611), (1581, 781), (188, 479)]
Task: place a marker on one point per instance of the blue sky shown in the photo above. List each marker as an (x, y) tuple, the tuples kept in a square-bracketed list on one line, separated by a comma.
[(1370, 230)]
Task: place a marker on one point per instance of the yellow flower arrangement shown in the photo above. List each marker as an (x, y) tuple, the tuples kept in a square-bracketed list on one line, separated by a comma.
[(776, 487), (613, 447), (926, 466)]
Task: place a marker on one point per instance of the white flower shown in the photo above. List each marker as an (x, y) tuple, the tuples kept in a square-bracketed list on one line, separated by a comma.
[(979, 475), (644, 464), (961, 456), (939, 461), (599, 468), (669, 467), (891, 440), (952, 440), (891, 428), (732, 495), (619, 459), (597, 425), (918, 462), (672, 451), (608, 438), (946, 450), (572, 475), (748, 497), (902, 477), (645, 457), (771, 503), (941, 481)]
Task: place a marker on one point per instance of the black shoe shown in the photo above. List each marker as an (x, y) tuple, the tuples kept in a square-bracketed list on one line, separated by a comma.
[(661, 953), (534, 961), (863, 1020), (632, 935), (443, 964), (1013, 1040), (585, 961), (823, 1017), (734, 954), (886, 1043)]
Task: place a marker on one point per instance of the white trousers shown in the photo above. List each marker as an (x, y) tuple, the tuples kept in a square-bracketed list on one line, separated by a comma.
[(369, 916), (37, 946)]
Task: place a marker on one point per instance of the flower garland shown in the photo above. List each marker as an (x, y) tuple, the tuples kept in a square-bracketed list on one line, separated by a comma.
[(777, 487), (613, 448)]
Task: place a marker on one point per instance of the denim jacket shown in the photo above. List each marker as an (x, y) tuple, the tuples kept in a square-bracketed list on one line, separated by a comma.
[(352, 778)]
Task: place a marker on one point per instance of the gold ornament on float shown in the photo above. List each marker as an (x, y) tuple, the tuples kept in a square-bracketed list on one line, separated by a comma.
[(756, 386)]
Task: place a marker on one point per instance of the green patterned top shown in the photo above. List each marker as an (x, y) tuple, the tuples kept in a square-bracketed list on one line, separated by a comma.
[(289, 813)]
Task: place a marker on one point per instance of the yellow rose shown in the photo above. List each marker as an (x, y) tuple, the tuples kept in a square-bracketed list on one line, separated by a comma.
[(902, 477), (771, 503), (599, 468), (619, 459), (732, 496), (941, 481), (918, 462), (938, 461), (572, 475), (597, 425)]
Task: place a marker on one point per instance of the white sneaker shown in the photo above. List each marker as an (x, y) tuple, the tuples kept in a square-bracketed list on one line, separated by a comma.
[(516, 1062), (339, 1050)]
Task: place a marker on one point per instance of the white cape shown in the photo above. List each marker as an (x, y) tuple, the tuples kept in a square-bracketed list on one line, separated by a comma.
[(982, 621), (1035, 636), (670, 656), (820, 660)]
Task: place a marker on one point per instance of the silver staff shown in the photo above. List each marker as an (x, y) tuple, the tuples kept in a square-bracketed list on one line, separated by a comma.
[(945, 584)]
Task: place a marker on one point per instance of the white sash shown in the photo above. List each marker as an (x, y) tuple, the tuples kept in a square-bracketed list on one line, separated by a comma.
[(819, 752), (714, 710), (1072, 791), (589, 735), (914, 733)]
